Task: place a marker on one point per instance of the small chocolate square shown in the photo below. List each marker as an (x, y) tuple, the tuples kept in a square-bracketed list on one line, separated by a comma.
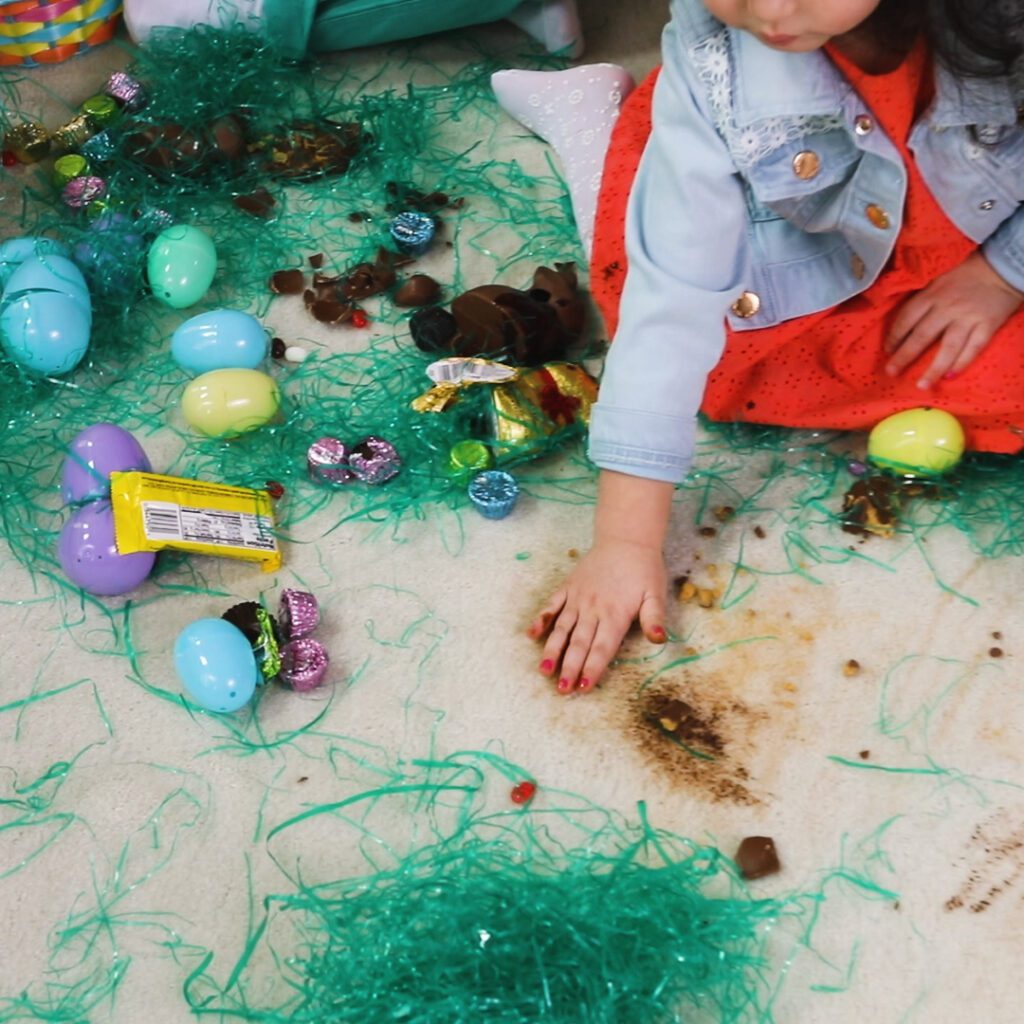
[(757, 857)]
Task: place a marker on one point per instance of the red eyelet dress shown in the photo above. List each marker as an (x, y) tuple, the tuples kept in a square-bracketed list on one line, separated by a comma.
[(826, 369)]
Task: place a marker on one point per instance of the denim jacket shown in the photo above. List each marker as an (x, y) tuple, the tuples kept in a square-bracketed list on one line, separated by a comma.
[(767, 192)]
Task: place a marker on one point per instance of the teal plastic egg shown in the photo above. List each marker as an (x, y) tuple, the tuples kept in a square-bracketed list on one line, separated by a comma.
[(226, 403), (15, 251), (181, 263), (45, 333), (219, 340), (216, 664), (49, 272)]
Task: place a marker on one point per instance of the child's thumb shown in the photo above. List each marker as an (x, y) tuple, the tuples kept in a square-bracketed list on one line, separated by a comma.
[(652, 619)]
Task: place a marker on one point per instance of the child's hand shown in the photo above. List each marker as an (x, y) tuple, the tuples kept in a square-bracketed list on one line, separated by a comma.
[(616, 581), (959, 312)]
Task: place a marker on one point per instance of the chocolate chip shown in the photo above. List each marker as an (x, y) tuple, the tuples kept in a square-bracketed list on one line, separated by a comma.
[(757, 857)]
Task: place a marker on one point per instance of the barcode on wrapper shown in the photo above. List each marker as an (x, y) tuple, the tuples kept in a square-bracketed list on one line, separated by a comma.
[(166, 521)]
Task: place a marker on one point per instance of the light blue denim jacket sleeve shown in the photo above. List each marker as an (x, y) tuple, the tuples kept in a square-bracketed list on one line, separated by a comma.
[(686, 242)]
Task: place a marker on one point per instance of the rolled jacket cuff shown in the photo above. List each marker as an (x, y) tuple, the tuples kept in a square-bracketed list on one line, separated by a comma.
[(640, 443)]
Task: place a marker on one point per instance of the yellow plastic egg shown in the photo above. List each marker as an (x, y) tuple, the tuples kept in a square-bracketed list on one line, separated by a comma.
[(917, 442), (226, 403)]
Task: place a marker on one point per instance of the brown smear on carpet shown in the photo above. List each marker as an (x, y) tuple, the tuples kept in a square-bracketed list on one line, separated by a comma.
[(996, 848)]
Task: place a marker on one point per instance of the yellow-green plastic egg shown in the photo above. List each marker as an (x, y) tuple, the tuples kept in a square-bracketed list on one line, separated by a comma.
[(917, 442), (226, 403)]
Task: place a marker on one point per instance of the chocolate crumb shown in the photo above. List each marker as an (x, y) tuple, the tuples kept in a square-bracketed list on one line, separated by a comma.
[(757, 857), (259, 203), (865, 754), (759, 532), (996, 635), (851, 668), (995, 652), (317, 261), (303, 778), (573, 553), (358, 216), (707, 531), (724, 513)]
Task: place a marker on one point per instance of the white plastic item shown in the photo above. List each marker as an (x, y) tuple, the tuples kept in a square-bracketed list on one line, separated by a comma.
[(142, 16)]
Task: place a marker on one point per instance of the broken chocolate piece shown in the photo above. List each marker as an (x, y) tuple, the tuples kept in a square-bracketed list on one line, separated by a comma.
[(332, 311), (418, 290), (757, 857), (317, 261), (309, 149), (871, 505), (288, 282), (259, 202), (561, 288), (367, 279)]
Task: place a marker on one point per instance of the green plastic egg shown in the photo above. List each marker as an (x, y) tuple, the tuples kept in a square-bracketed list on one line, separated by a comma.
[(226, 403), (917, 442), (182, 262)]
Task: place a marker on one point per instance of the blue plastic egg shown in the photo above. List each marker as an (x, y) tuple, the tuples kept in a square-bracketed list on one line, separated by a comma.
[(216, 664), (94, 454), (46, 333), (222, 339), (113, 254), (48, 273), (182, 262), (15, 251)]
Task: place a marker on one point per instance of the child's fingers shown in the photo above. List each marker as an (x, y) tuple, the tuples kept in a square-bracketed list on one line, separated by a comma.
[(951, 345), (558, 640), (603, 648), (652, 618), (909, 315), (977, 339), (917, 341), (576, 654), (542, 623)]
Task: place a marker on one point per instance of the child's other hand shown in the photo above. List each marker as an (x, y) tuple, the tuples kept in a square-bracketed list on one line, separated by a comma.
[(586, 620), (959, 312)]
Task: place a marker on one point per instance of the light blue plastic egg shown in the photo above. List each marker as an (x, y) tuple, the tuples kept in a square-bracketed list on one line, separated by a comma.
[(15, 251), (48, 273), (222, 339), (181, 263), (45, 333), (216, 664)]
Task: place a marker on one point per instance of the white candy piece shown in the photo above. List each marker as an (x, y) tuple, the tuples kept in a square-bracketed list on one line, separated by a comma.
[(296, 354)]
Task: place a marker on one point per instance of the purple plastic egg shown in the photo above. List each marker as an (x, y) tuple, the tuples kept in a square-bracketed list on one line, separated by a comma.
[(94, 454), (89, 556)]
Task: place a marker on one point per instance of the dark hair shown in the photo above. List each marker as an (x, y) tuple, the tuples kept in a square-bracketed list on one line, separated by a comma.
[(973, 38)]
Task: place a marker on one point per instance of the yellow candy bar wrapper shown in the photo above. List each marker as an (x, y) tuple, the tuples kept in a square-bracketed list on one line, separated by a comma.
[(152, 512)]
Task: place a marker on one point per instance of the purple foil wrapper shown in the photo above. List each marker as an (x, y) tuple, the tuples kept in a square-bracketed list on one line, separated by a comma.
[(126, 90), (374, 460), (80, 192), (304, 664), (299, 615), (327, 460)]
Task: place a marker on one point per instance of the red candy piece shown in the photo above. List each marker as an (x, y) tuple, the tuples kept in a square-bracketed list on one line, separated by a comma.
[(523, 792), (274, 489), (359, 319), (9, 158)]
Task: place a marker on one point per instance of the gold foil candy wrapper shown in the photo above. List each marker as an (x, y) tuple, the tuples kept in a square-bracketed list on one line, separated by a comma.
[(28, 141), (73, 134), (451, 375)]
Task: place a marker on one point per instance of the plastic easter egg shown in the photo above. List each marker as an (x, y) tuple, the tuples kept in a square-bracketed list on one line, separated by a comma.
[(216, 664), (226, 403), (46, 333), (15, 251), (89, 556), (94, 454), (917, 442), (112, 255), (48, 273), (219, 340), (182, 262)]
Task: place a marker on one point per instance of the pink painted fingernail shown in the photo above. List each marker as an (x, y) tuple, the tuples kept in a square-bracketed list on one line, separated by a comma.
[(659, 633), (583, 684), (546, 665), (564, 684)]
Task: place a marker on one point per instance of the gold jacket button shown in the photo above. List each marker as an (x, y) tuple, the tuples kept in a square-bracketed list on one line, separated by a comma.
[(747, 305), (806, 164), (862, 124), (877, 216), (857, 266)]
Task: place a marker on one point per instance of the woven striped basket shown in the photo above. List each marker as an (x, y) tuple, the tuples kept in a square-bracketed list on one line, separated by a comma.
[(50, 31)]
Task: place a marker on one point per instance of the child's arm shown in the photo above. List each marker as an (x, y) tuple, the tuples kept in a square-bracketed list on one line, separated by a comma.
[(621, 578), (958, 313)]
